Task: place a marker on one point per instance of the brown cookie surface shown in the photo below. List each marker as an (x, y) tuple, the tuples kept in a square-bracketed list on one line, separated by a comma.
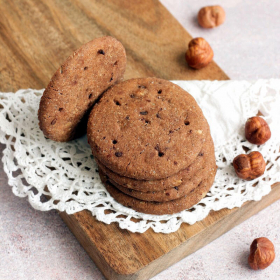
[(77, 84), (206, 157), (146, 129), (188, 183), (161, 208), (165, 195)]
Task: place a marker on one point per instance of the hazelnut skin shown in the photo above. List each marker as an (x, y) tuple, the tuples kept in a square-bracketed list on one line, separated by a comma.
[(249, 167), (199, 54), (211, 16), (257, 130), (262, 253)]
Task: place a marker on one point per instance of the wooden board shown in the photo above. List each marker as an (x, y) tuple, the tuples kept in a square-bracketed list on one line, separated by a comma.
[(37, 36), (122, 255)]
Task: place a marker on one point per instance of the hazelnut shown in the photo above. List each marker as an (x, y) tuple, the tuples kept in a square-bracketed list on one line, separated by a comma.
[(199, 53), (262, 253), (211, 16), (249, 167), (257, 130)]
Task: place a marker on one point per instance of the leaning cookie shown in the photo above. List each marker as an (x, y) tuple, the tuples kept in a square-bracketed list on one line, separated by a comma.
[(77, 84)]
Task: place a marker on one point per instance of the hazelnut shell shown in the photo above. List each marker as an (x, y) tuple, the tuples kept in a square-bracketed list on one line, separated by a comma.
[(211, 16), (257, 130), (199, 53), (249, 167), (262, 253)]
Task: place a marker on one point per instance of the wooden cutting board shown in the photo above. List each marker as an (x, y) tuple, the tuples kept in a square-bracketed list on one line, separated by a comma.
[(37, 36)]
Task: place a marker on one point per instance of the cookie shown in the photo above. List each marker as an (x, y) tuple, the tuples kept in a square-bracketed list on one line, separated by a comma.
[(146, 129), (188, 183), (77, 84), (165, 195), (206, 156), (161, 208)]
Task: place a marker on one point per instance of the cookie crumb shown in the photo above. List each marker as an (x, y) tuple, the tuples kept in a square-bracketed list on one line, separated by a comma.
[(144, 113), (118, 154), (101, 52), (53, 121)]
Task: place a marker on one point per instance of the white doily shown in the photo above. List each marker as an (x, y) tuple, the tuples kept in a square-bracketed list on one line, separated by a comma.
[(64, 176)]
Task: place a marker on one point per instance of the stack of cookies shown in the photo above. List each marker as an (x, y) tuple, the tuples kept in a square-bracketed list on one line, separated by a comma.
[(149, 137), (153, 146)]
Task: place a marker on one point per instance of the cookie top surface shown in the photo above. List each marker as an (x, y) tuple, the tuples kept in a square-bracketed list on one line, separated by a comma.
[(206, 157), (146, 129), (203, 167), (77, 84)]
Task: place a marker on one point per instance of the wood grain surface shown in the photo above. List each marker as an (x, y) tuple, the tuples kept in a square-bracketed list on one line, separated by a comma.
[(37, 36)]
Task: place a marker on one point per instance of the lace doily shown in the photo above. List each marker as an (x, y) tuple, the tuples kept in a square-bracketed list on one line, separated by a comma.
[(64, 176)]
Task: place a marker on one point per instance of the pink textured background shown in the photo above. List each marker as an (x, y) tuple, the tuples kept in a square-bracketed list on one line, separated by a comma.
[(38, 245)]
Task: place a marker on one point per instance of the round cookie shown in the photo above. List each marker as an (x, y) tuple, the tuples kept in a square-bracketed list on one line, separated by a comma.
[(206, 156), (165, 195), (146, 129), (187, 185), (162, 208), (76, 85)]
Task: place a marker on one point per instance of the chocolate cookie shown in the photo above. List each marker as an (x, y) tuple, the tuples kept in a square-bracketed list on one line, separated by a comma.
[(165, 195), (146, 129), (188, 183), (161, 208), (206, 156), (77, 84)]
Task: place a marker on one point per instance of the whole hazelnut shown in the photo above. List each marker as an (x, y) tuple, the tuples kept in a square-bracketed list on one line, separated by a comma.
[(262, 253), (249, 167), (199, 53), (211, 16), (257, 130)]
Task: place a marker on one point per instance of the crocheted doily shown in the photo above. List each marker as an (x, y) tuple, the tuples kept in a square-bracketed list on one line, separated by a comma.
[(64, 176)]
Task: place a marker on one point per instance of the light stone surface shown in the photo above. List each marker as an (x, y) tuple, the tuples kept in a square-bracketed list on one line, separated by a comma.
[(246, 45), (38, 245)]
